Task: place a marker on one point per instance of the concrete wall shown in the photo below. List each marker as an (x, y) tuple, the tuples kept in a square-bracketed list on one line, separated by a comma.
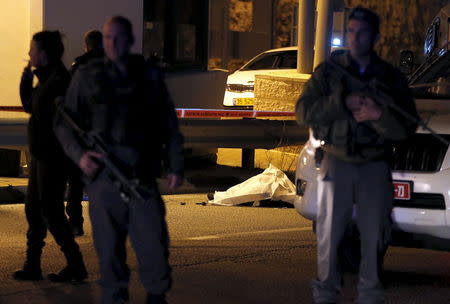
[(197, 89), (227, 46), (74, 18), (15, 33), (19, 20), (36, 17), (260, 38), (279, 91)]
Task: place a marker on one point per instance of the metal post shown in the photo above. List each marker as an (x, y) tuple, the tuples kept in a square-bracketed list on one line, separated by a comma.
[(305, 29), (248, 158), (325, 10)]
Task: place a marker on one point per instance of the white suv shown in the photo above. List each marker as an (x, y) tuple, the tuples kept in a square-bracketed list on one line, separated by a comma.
[(421, 175)]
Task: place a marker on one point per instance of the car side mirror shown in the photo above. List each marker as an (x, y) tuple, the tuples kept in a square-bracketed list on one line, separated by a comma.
[(406, 64)]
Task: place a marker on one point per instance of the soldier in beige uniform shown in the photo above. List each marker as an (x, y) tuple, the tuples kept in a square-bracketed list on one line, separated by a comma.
[(358, 129)]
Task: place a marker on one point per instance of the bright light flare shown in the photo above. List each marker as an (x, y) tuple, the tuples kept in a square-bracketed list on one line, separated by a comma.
[(336, 42)]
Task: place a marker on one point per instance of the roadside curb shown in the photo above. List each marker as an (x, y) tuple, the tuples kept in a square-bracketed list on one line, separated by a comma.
[(202, 180)]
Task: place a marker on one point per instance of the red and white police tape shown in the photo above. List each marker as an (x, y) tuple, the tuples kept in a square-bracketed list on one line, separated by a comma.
[(11, 108), (213, 113), (200, 113)]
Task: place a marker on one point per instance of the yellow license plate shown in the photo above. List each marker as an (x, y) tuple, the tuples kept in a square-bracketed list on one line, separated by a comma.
[(244, 101)]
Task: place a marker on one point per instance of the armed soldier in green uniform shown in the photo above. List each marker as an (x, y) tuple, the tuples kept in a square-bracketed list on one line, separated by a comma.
[(357, 126), (122, 101)]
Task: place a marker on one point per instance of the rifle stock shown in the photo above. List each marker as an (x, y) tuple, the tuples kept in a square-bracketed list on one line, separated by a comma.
[(129, 188)]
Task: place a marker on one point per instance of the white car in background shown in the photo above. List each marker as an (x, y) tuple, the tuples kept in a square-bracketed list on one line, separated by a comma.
[(421, 177), (240, 84), (239, 91)]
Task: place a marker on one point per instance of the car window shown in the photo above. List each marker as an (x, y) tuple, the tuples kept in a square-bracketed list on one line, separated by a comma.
[(262, 62), (288, 60)]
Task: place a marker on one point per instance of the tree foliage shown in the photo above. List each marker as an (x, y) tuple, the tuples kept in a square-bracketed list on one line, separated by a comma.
[(241, 15), (283, 22), (403, 23)]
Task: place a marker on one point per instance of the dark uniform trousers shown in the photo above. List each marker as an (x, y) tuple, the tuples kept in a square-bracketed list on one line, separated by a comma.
[(74, 207), (341, 186), (44, 209), (113, 220)]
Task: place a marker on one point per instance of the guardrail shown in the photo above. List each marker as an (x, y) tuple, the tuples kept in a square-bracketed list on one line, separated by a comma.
[(202, 128), (201, 113), (214, 113), (242, 133)]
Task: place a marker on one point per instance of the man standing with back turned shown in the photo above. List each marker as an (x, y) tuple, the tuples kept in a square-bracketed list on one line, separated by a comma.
[(357, 127), (93, 42), (93, 45), (121, 100)]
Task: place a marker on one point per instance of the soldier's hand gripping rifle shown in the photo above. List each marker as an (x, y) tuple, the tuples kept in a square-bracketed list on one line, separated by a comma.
[(129, 188), (378, 92)]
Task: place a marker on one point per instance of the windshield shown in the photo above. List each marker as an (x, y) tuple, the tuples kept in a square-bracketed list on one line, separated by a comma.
[(272, 60), (432, 79)]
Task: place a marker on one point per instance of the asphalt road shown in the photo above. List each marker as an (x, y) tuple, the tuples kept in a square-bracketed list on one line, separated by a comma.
[(223, 255)]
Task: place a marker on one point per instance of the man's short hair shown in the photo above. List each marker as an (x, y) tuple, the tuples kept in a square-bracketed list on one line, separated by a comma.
[(364, 14), (125, 24), (93, 40)]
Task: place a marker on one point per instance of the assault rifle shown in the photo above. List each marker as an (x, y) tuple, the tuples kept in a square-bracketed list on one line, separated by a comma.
[(378, 91), (129, 188)]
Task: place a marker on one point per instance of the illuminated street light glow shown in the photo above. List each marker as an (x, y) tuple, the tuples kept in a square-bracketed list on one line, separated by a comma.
[(336, 42)]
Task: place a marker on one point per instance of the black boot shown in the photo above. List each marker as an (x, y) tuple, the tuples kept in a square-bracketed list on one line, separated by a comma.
[(75, 271), (77, 229), (156, 299), (32, 267), (28, 273), (69, 275)]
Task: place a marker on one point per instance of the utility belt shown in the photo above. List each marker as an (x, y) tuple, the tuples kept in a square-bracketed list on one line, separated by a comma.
[(126, 159), (348, 142), (129, 162)]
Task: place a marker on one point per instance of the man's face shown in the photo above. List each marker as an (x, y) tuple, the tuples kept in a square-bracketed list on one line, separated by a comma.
[(116, 42), (38, 57), (360, 38)]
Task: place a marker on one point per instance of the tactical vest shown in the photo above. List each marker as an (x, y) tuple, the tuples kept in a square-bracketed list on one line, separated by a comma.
[(345, 137), (125, 111)]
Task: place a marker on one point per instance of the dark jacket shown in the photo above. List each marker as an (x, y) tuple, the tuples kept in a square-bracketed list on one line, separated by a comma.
[(40, 103), (85, 58), (322, 107), (133, 114)]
